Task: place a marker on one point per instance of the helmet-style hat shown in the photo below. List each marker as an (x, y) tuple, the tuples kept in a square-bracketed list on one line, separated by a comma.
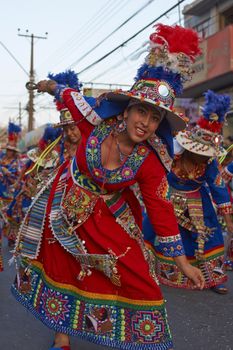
[(205, 138), (167, 66)]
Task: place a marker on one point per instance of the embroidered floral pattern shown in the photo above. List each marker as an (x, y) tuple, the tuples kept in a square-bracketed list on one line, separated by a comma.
[(98, 173), (127, 173), (142, 150), (93, 141), (93, 154)]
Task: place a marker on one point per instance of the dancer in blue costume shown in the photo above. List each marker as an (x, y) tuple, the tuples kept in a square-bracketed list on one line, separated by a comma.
[(34, 173), (197, 191), (10, 168), (227, 175)]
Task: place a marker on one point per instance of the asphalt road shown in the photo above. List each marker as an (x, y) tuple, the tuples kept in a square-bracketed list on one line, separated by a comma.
[(199, 320)]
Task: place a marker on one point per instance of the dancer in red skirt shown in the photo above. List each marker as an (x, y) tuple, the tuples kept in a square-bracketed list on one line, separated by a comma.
[(85, 269)]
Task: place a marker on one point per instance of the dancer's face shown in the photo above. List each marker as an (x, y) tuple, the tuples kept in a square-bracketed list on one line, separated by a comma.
[(142, 121), (72, 133)]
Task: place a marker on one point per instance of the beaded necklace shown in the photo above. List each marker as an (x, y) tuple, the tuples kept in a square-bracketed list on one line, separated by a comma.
[(123, 156)]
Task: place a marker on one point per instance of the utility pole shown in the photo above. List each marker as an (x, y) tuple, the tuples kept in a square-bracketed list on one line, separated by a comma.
[(20, 115), (30, 106)]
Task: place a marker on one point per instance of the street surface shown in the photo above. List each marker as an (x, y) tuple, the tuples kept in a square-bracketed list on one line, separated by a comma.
[(199, 320)]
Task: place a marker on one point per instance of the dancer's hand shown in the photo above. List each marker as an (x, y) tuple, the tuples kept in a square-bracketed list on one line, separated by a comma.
[(48, 86), (194, 274), (230, 228), (190, 271), (229, 223)]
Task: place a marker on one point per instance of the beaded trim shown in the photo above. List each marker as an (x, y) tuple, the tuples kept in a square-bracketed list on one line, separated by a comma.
[(225, 208), (102, 319), (30, 232), (93, 155), (160, 149), (170, 246), (226, 175)]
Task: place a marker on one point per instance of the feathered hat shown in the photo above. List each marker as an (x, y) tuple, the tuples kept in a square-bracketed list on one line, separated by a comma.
[(69, 79), (168, 65), (44, 155), (205, 138), (13, 136)]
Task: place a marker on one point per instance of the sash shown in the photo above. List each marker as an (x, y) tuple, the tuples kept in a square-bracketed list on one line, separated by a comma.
[(85, 109)]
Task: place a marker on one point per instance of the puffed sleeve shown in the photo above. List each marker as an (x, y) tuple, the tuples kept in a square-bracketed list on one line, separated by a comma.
[(82, 111), (154, 187), (218, 188)]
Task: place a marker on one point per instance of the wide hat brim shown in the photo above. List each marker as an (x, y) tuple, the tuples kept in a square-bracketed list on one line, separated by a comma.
[(48, 162), (176, 122), (62, 124), (12, 148), (208, 150)]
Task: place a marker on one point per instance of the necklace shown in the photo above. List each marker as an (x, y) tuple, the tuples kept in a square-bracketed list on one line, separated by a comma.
[(121, 154)]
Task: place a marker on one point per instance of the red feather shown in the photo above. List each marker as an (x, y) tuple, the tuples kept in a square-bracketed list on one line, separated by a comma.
[(179, 39), (215, 127), (12, 137)]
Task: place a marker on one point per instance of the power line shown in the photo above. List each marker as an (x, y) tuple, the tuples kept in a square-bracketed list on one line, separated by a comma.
[(91, 23), (113, 32), (120, 62), (115, 65), (126, 41), (107, 18), (14, 58)]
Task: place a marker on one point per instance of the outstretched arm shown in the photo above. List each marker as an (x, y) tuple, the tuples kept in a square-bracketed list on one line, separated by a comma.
[(82, 112)]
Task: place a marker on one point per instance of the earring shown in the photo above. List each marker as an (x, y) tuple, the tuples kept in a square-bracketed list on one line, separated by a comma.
[(122, 126)]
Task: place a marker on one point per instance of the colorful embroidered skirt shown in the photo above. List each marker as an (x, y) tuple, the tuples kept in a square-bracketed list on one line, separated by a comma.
[(130, 315), (104, 319)]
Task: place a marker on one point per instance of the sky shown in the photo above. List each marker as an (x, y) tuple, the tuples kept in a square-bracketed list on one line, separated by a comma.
[(74, 28)]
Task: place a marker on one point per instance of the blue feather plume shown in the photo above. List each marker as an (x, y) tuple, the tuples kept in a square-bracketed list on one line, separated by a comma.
[(68, 78), (51, 134), (13, 128), (216, 103), (149, 72)]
